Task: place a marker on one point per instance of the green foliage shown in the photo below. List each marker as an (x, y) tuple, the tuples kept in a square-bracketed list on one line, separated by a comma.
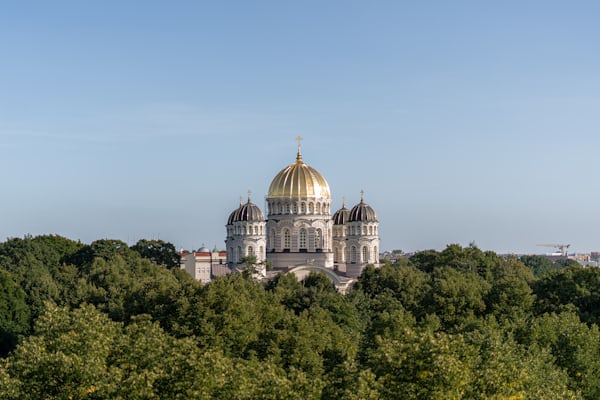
[(505, 369), (540, 265), (14, 312), (575, 347), (574, 288), (108, 321), (421, 364), (157, 251)]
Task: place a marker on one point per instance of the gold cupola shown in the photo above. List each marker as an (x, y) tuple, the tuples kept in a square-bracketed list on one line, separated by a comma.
[(299, 180)]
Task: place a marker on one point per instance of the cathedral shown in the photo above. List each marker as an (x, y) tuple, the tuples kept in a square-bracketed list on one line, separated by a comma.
[(299, 234)]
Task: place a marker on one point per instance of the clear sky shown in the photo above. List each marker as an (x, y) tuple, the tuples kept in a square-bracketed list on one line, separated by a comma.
[(461, 120)]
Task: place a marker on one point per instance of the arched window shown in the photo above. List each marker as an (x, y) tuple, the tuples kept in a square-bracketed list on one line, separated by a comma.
[(302, 239), (375, 254), (353, 254), (295, 208), (336, 254), (238, 254), (303, 208), (318, 208), (286, 239), (365, 254), (287, 208), (272, 239), (370, 230), (231, 255), (318, 239), (250, 251), (311, 208)]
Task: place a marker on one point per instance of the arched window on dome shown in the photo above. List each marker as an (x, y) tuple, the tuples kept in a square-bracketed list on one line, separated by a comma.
[(295, 208), (311, 208), (318, 239), (286, 239), (318, 208), (365, 254), (287, 208), (302, 239), (370, 230), (250, 251), (272, 239), (353, 254), (303, 208), (364, 230)]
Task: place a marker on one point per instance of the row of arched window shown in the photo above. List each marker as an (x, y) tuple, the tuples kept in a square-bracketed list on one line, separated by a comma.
[(353, 256), (245, 230), (301, 208), (355, 230), (237, 254), (362, 230), (303, 244)]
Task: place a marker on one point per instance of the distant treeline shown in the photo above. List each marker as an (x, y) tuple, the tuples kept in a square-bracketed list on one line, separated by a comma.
[(109, 321)]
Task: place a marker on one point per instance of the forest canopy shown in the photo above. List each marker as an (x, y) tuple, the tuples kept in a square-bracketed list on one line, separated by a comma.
[(108, 321)]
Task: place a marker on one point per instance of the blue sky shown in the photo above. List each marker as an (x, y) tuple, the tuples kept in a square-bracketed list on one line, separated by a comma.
[(462, 121)]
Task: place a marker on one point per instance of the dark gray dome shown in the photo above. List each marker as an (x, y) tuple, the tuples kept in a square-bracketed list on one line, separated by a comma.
[(362, 212), (340, 217), (246, 212)]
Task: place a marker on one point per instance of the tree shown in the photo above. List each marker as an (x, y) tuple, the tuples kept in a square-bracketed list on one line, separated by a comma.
[(573, 288), (505, 369), (14, 312), (457, 297), (574, 346), (251, 267), (158, 251)]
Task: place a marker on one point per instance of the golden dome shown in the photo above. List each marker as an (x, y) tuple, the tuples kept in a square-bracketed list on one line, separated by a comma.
[(299, 180)]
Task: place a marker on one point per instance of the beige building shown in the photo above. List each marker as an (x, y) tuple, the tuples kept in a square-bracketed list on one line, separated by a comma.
[(204, 264)]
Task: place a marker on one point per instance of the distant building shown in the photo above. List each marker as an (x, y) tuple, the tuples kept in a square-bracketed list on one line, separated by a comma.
[(299, 234), (204, 264)]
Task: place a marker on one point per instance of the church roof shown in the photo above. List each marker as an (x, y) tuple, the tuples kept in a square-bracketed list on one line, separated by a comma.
[(299, 180), (246, 212), (362, 212)]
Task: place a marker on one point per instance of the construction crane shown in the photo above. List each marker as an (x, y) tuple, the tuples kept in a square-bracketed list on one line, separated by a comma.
[(562, 247)]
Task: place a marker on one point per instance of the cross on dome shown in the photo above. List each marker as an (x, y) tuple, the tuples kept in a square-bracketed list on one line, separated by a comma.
[(299, 156)]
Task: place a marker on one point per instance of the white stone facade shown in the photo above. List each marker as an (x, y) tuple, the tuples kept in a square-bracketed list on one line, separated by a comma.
[(299, 232)]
